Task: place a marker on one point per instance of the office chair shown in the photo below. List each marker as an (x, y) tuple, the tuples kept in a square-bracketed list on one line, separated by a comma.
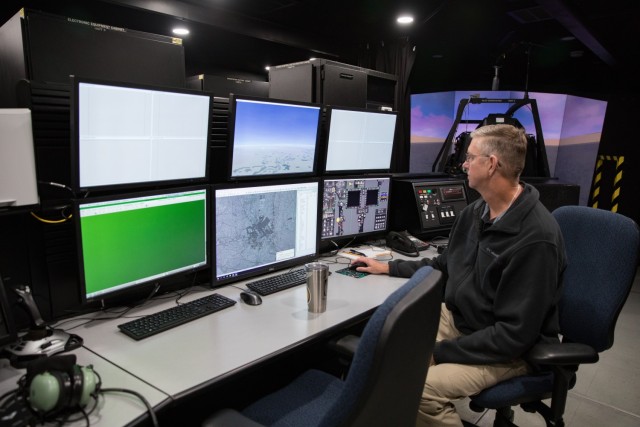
[(602, 251), (384, 383)]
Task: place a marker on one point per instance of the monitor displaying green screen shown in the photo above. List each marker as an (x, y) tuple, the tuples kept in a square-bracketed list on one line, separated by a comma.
[(127, 241)]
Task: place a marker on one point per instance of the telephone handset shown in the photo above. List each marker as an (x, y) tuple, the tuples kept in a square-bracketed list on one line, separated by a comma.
[(405, 244)]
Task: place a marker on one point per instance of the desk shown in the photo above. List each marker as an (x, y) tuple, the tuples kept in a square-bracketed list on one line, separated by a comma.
[(181, 361), (113, 408), (200, 352)]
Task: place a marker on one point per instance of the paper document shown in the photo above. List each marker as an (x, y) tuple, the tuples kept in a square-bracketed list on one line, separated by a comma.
[(366, 251)]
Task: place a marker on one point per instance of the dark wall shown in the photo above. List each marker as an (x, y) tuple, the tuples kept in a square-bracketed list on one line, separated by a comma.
[(619, 139)]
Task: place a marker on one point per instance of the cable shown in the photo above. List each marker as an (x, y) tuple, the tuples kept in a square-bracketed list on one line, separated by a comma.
[(56, 184), (152, 414), (64, 217), (51, 221), (7, 394)]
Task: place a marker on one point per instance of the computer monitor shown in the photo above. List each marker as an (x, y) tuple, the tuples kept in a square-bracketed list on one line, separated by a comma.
[(354, 207), (133, 135), (263, 227), (359, 140), (128, 241), (272, 138)]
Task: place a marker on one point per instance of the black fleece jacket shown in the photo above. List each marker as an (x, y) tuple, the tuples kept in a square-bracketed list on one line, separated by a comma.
[(502, 281)]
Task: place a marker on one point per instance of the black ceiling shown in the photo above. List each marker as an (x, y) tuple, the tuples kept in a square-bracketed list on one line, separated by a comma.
[(457, 42)]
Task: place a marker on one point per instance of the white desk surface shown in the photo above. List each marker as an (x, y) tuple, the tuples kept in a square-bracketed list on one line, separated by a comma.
[(203, 351), (113, 409), (198, 353)]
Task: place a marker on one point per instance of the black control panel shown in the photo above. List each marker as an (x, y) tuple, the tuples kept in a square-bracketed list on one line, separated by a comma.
[(422, 206)]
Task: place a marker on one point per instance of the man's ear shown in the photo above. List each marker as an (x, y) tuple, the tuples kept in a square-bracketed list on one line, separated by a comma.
[(494, 164)]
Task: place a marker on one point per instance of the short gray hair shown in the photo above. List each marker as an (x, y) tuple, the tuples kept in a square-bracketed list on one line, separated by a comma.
[(507, 142)]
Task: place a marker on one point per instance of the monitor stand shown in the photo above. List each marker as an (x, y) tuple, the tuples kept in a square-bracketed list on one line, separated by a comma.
[(40, 340)]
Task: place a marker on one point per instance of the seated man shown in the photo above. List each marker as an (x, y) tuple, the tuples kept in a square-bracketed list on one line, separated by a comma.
[(503, 269)]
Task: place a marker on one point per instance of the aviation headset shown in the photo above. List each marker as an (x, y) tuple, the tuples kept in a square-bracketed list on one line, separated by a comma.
[(54, 384)]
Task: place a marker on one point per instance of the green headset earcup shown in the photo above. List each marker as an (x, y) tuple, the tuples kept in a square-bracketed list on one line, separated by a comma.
[(89, 384), (44, 392), (53, 390)]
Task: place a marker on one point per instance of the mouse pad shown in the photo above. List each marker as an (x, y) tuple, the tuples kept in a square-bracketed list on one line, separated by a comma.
[(352, 273)]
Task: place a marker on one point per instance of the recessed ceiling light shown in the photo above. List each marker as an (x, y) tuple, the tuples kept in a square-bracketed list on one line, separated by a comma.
[(405, 19), (267, 68), (180, 31)]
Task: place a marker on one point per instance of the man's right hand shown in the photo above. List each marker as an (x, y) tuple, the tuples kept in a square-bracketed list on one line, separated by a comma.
[(373, 266)]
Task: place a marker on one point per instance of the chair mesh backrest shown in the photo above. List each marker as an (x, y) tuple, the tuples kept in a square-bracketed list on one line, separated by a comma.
[(406, 323), (602, 251)]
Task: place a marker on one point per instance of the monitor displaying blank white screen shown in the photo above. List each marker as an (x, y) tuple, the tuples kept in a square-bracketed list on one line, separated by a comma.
[(273, 138), (128, 135), (360, 140)]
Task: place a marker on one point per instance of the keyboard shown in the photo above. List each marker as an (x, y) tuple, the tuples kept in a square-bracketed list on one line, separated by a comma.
[(166, 319), (273, 284)]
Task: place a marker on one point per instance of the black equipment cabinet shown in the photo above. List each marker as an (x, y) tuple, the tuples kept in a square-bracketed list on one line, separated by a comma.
[(225, 86), (48, 48), (553, 193), (333, 83)]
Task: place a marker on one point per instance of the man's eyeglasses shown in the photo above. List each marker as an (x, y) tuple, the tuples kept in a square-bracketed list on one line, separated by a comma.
[(470, 157)]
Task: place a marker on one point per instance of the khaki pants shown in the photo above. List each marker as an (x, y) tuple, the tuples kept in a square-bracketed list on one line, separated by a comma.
[(448, 381)]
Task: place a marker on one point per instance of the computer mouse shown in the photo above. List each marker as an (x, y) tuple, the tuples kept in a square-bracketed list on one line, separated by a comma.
[(357, 264), (250, 298)]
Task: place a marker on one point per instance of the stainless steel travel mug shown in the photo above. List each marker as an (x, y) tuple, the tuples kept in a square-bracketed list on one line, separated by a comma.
[(317, 274)]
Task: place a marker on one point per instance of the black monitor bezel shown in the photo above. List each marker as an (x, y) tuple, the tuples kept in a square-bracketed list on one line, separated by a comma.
[(327, 133), (75, 135), (233, 98), (281, 265), (354, 237), (138, 287)]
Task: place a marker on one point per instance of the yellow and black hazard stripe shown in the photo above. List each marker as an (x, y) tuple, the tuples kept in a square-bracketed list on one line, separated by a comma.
[(612, 184)]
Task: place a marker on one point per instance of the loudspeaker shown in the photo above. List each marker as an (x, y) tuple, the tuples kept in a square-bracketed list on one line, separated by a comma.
[(57, 383)]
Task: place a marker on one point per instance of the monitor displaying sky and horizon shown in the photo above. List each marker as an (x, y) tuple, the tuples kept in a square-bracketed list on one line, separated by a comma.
[(271, 137)]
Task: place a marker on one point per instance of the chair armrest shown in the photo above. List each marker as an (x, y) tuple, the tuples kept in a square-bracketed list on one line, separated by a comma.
[(561, 354), (346, 346)]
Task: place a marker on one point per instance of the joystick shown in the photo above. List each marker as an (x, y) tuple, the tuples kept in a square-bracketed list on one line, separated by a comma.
[(40, 340)]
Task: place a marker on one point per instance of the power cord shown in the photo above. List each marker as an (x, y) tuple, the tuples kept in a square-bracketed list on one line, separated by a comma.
[(152, 414)]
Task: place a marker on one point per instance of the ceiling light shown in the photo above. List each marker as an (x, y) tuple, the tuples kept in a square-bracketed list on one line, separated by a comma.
[(180, 31), (405, 19), (267, 68)]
